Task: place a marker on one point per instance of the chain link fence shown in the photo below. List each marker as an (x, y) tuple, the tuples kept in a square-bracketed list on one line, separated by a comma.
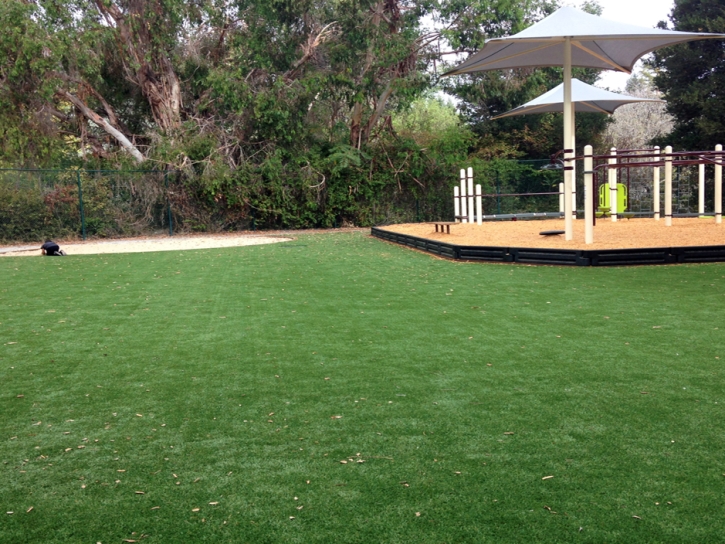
[(38, 204)]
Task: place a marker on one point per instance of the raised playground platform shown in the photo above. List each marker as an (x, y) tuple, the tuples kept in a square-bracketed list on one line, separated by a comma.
[(633, 242)]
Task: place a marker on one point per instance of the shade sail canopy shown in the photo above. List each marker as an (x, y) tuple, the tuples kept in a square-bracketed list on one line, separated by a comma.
[(586, 99), (595, 43)]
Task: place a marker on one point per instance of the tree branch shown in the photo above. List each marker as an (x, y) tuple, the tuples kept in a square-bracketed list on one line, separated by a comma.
[(104, 124)]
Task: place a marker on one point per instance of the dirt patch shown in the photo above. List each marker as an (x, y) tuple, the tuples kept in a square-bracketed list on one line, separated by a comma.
[(142, 245), (625, 233)]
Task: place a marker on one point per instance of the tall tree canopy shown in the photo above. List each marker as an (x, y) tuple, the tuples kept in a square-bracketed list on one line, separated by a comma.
[(691, 76)]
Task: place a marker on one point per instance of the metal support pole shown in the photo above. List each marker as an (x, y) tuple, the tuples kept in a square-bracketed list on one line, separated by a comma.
[(168, 204), (588, 196), (464, 207), (613, 186), (668, 186), (568, 223), (573, 163), (718, 186), (656, 187), (479, 207), (701, 189), (80, 204), (471, 210), (498, 191), (456, 203)]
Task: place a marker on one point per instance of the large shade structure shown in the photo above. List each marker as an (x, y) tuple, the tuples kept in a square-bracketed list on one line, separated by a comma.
[(569, 37), (585, 98)]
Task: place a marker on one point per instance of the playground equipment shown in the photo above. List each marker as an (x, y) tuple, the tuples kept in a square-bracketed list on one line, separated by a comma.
[(614, 179), (623, 160), (464, 195)]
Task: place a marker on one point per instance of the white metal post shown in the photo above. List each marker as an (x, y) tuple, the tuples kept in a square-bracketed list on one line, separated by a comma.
[(561, 198), (701, 189), (573, 163), (656, 187), (718, 186), (471, 210), (668, 186), (588, 196), (479, 207), (456, 203), (464, 208), (612, 176), (568, 223)]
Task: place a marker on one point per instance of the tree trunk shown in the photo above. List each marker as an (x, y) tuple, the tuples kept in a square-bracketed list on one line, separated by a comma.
[(105, 125), (145, 64)]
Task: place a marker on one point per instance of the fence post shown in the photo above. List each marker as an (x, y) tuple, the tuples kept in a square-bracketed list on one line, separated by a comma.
[(80, 204), (498, 192), (417, 210), (168, 203)]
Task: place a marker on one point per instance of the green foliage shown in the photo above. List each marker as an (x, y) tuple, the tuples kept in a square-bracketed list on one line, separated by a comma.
[(691, 77)]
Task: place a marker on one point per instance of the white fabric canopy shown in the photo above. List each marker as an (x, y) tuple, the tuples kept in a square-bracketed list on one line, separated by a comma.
[(595, 43), (569, 37), (586, 99)]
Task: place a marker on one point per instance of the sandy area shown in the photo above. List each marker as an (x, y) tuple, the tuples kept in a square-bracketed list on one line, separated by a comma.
[(141, 245), (625, 233)]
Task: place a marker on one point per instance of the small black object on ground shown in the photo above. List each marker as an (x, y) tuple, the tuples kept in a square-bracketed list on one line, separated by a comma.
[(551, 232)]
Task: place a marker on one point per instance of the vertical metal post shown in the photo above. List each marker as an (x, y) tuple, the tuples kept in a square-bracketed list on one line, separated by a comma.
[(668, 186), (479, 206), (718, 185), (456, 203), (701, 189), (568, 224), (498, 192), (588, 196), (656, 188), (168, 203), (613, 186), (464, 200), (80, 204), (471, 210)]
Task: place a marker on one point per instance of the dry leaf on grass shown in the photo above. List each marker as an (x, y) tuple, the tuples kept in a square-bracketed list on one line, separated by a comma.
[(509, 432), (195, 509), (140, 493), (336, 417), (547, 477)]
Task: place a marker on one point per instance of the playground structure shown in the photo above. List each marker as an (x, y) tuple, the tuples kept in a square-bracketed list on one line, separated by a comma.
[(625, 183)]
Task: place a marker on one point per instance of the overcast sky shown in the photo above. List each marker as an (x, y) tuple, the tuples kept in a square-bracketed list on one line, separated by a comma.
[(645, 13)]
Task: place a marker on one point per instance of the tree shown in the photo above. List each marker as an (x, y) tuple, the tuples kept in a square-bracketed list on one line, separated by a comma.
[(691, 76), (634, 126)]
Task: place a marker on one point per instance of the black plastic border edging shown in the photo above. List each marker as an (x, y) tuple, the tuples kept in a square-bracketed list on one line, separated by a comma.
[(561, 257)]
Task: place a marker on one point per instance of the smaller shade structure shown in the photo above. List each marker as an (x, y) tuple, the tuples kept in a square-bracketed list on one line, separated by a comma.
[(586, 99)]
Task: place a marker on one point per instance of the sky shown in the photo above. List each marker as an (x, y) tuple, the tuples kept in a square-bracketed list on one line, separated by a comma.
[(646, 13)]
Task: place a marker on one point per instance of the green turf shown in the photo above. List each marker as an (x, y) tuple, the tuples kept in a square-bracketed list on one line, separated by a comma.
[(216, 376)]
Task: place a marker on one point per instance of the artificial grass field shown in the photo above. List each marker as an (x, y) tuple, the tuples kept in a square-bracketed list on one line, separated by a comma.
[(227, 386)]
